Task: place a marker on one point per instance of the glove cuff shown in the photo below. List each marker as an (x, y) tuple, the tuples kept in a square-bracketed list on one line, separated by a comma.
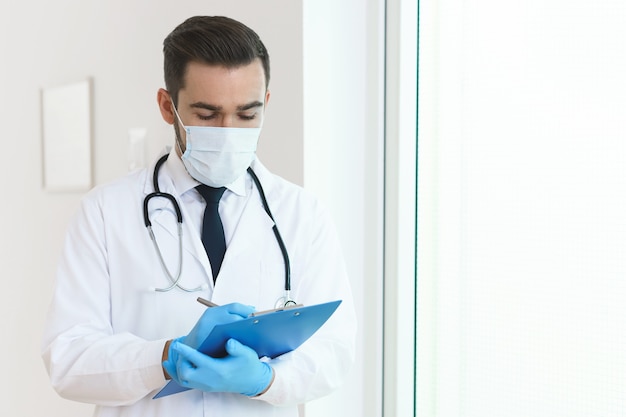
[(272, 375)]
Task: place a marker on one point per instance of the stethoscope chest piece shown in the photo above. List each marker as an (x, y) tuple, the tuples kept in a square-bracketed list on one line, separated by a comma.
[(285, 301)]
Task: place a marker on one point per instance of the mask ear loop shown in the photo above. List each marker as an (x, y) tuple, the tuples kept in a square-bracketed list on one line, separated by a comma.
[(178, 139)]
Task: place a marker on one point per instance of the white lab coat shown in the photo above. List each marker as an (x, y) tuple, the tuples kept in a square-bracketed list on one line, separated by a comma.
[(106, 328)]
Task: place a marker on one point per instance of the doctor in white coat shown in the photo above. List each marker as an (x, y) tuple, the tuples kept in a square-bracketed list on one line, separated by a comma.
[(108, 338)]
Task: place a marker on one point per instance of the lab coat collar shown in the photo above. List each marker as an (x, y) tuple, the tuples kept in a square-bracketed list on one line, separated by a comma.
[(164, 184), (183, 182), (266, 178)]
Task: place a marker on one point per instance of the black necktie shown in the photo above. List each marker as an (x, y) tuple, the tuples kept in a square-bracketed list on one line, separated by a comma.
[(212, 229)]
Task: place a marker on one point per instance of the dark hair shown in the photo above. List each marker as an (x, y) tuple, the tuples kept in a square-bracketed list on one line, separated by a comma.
[(213, 40)]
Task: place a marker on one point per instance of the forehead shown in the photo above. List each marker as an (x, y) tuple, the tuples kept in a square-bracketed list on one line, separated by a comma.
[(220, 85)]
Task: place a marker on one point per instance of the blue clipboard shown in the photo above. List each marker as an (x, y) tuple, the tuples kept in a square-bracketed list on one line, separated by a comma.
[(270, 334)]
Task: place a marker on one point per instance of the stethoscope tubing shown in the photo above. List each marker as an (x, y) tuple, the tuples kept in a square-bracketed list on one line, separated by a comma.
[(175, 281), (279, 238)]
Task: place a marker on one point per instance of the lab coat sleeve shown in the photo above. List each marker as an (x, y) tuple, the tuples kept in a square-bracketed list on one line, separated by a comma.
[(322, 363), (86, 361)]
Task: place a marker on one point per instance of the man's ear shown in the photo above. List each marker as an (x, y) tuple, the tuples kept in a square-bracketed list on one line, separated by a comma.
[(267, 97), (165, 106)]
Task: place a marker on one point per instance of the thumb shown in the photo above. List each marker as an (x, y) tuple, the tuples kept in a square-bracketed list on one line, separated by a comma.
[(239, 309), (236, 348), (233, 347)]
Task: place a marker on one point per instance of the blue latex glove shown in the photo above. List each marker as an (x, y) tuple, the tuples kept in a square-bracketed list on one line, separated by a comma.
[(241, 371), (213, 316), (210, 318)]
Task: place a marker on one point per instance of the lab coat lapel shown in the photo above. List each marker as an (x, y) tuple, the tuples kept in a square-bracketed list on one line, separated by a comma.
[(250, 232), (243, 254)]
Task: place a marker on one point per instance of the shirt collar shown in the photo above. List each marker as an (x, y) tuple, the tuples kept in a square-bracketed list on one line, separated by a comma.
[(239, 185), (184, 182)]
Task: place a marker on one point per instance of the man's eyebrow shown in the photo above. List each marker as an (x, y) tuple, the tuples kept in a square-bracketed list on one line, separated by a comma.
[(243, 107), (249, 106), (206, 106)]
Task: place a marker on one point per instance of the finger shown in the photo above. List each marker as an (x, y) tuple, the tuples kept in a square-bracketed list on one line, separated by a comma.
[(185, 370), (239, 309)]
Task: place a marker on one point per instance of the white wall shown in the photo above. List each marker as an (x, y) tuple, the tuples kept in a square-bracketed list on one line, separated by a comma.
[(118, 44)]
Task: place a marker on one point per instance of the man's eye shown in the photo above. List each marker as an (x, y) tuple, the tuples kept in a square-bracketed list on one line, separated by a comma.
[(247, 116), (206, 116)]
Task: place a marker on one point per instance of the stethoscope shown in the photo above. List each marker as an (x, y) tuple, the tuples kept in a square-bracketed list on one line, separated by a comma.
[(174, 279)]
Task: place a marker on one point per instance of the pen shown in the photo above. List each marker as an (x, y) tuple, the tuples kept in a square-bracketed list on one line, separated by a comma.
[(206, 302), (257, 313)]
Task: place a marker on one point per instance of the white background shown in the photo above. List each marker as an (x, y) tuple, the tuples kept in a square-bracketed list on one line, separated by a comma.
[(522, 260)]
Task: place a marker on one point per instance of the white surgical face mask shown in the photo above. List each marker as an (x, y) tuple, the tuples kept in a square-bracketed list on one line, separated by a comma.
[(217, 156)]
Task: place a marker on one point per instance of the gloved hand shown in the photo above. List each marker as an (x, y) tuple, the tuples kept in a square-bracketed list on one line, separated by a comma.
[(241, 371), (213, 316), (210, 318)]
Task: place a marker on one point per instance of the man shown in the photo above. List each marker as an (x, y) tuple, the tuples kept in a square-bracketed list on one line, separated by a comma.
[(124, 317)]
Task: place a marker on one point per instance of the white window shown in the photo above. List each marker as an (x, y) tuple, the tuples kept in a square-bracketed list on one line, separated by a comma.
[(522, 209)]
